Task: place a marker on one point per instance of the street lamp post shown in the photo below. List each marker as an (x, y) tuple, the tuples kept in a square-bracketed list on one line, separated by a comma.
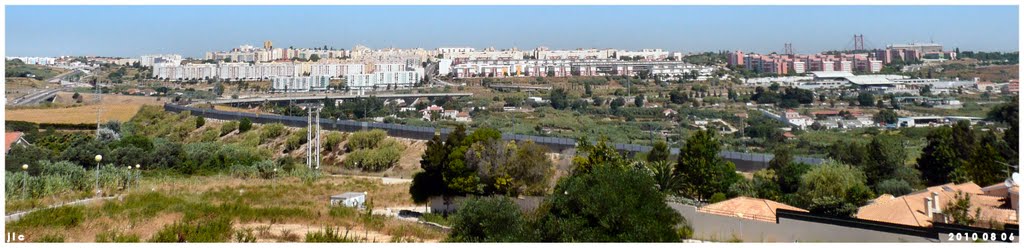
[(138, 174), (24, 184), (98, 159), (128, 179)]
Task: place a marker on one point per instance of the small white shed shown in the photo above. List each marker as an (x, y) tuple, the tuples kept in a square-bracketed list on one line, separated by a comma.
[(349, 199)]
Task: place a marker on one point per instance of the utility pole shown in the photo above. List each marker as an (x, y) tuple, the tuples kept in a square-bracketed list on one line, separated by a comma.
[(313, 135)]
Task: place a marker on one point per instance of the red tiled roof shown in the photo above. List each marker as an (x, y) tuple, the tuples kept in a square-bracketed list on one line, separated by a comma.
[(748, 208), (10, 138)]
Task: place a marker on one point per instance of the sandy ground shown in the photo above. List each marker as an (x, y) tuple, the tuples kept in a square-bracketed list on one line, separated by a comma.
[(114, 107)]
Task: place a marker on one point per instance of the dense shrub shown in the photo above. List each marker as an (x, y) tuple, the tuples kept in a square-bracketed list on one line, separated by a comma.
[(209, 135), (200, 121), (30, 155), (295, 140), (373, 159), (895, 187), (365, 139), (84, 153), (331, 141), (129, 156), (244, 125), (271, 131), (166, 154), (228, 127), (490, 219)]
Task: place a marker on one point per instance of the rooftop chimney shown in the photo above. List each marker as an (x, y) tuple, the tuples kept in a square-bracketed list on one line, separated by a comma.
[(928, 207), (935, 202)]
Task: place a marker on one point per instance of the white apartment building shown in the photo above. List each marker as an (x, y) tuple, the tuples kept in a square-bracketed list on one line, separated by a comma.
[(150, 60), (545, 53), (798, 67), (388, 67), (361, 83), (644, 54), (444, 66), (35, 60), (254, 71), (446, 50), (465, 56), (336, 70), (562, 68), (300, 84)]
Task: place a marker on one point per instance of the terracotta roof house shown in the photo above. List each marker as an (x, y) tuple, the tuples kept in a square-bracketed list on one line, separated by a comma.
[(748, 208), (924, 207), (12, 139)]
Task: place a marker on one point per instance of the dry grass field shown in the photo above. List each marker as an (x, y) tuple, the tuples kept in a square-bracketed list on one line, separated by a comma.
[(162, 200), (65, 110)]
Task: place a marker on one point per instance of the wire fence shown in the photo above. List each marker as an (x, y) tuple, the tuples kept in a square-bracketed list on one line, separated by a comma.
[(744, 161)]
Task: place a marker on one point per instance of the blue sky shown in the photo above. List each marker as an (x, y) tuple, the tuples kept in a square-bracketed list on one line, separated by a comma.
[(192, 30)]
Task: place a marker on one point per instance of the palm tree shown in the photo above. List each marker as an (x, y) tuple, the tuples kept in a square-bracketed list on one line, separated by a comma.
[(663, 173)]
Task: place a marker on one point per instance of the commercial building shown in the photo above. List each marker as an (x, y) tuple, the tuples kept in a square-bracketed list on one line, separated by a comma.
[(300, 84)]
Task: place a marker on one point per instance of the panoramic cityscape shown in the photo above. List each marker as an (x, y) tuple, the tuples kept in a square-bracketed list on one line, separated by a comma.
[(452, 124)]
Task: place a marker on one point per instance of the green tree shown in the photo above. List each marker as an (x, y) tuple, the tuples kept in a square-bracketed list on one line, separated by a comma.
[(430, 181), (895, 187), (490, 219), (659, 152), (848, 152), (460, 178), (702, 171), (638, 101), (964, 139), (886, 116), (314, 57), (200, 121), (866, 99), (886, 160), (939, 158), (618, 102), (244, 125), (985, 167), (609, 204), (835, 189), (664, 175), (559, 98), (782, 157), (27, 154), (763, 185), (789, 176), (959, 210)]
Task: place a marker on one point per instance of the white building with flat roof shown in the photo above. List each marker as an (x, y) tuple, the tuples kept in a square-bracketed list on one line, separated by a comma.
[(150, 60), (360, 83), (35, 60), (300, 84)]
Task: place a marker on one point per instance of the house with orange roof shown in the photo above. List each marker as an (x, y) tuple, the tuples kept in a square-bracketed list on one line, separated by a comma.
[(748, 208), (12, 139), (925, 207)]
